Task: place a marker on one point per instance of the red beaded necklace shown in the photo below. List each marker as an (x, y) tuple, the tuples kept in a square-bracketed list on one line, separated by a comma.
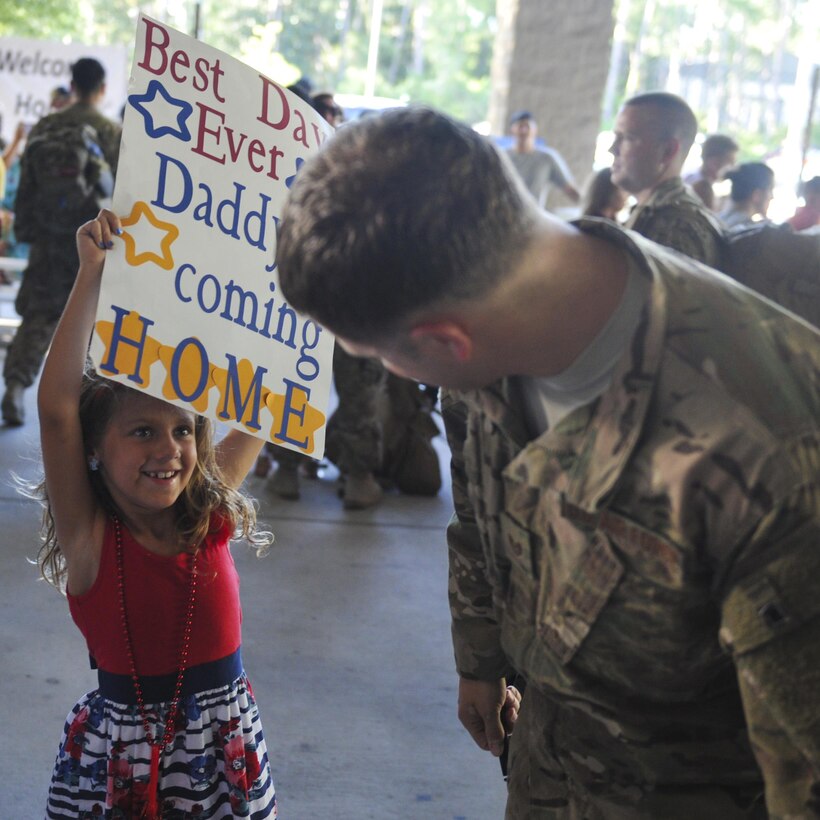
[(156, 743)]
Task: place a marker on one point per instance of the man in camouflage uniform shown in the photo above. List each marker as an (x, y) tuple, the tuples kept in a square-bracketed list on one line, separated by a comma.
[(653, 135), (354, 437), (354, 431), (636, 460), (53, 261)]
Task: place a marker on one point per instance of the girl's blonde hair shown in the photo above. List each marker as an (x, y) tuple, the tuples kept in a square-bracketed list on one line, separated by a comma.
[(206, 502)]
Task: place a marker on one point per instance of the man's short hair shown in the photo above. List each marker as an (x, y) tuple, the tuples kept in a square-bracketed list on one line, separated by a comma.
[(87, 75), (676, 119), (718, 145), (399, 211)]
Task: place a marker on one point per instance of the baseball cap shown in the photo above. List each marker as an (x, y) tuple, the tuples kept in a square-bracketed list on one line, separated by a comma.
[(521, 115)]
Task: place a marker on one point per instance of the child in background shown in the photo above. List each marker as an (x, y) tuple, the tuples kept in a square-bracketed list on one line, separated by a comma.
[(140, 509)]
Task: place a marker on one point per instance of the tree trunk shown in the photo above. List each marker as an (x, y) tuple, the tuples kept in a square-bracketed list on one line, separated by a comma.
[(419, 36), (616, 59), (348, 6), (635, 77), (393, 73)]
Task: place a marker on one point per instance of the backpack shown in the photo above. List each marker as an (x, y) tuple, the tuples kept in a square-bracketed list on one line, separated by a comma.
[(66, 179), (779, 263)]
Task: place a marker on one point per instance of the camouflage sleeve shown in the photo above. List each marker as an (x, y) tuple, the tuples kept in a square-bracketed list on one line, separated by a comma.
[(771, 625), (25, 216), (111, 145), (476, 634), (690, 234)]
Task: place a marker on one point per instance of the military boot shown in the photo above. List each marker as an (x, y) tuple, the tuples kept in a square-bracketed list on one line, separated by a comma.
[(361, 492), (285, 482), (13, 408)]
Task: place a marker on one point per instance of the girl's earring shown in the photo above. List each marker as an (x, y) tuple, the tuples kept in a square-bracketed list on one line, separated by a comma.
[(93, 464)]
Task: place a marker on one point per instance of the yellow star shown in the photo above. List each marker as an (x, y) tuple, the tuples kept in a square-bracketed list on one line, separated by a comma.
[(163, 259)]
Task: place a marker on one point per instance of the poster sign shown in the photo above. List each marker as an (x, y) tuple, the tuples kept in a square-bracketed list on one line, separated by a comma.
[(190, 309), (31, 69)]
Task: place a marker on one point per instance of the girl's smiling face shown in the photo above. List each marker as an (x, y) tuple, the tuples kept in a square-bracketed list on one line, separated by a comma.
[(147, 453)]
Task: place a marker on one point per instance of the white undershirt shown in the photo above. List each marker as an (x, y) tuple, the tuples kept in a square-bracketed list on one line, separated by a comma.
[(547, 401)]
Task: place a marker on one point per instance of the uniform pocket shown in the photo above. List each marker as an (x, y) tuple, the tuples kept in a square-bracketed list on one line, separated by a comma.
[(522, 581), (574, 603), (558, 584)]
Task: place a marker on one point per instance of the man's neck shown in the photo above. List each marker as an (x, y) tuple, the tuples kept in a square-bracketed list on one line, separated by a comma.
[(643, 196), (524, 147), (565, 288)]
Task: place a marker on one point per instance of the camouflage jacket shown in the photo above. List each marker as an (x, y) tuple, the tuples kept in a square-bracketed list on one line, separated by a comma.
[(653, 561), (83, 114), (108, 134), (673, 216)]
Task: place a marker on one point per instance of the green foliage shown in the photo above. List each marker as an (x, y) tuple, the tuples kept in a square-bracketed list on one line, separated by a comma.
[(732, 59), (436, 52), (44, 19)]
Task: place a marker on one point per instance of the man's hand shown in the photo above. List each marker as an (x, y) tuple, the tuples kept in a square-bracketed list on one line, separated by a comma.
[(479, 709), (512, 706)]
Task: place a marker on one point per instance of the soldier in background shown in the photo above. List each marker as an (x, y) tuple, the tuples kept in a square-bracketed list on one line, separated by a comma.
[(52, 202), (636, 475), (653, 135), (354, 431)]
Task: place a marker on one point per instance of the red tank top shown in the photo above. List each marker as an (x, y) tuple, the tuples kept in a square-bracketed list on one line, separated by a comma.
[(156, 596)]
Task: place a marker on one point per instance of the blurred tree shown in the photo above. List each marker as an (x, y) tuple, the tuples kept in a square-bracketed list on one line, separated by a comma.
[(735, 61), (732, 59), (432, 51)]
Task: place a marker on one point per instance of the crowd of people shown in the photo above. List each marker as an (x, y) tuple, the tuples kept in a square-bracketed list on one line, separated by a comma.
[(635, 446)]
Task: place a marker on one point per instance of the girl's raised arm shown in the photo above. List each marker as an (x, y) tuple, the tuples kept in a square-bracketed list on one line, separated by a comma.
[(236, 454), (69, 490)]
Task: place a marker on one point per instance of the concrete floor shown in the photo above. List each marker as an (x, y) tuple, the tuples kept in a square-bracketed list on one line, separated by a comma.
[(346, 641)]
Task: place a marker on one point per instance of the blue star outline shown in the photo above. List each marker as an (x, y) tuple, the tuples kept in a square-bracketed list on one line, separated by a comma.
[(139, 102), (291, 179)]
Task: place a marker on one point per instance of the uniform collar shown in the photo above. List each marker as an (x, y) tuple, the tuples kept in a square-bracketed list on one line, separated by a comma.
[(584, 456)]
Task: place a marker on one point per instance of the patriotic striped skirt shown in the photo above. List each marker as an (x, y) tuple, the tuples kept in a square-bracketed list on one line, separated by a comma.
[(217, 767)]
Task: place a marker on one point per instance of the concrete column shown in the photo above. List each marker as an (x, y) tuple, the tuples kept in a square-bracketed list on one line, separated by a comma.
[(551, 57)]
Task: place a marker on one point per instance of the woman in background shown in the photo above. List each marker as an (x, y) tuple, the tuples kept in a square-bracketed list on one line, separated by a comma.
[(752, 189)]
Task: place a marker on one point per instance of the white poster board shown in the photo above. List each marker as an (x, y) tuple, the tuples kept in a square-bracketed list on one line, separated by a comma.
[(190, 309), (31, 69)]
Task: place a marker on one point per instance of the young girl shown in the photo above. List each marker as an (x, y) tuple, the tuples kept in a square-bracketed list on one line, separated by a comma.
[(140, 509)]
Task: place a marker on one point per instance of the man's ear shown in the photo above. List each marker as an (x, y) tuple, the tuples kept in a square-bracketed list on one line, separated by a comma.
[(444, 337), (671, 149)]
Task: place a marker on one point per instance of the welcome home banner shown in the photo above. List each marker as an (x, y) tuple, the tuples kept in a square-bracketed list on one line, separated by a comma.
[(190, 309), (31, 69)]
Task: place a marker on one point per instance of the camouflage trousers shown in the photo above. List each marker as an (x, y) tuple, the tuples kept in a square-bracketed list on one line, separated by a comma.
[(28, 348), (47, 282), (354, 433), (549, 782)]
